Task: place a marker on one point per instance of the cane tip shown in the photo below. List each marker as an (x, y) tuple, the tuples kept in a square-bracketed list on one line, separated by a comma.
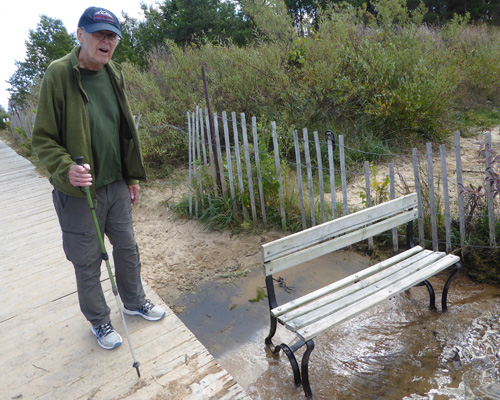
[(136, 366)]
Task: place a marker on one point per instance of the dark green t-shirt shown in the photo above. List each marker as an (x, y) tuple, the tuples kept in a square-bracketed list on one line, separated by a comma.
[(104, 119)]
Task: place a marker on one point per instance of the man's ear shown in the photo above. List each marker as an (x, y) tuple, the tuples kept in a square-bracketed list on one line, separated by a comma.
[(79, 35)]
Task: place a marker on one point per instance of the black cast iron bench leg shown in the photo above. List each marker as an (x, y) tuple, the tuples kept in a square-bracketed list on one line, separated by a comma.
[(300, 376), (305, 369), (444, 306), (432, 295), (293, 362), (271, 297), (444, 297), (272, 332)]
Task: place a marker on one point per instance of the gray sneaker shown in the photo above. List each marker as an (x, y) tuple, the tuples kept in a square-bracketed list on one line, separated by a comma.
[(107, 337), (149, 311)]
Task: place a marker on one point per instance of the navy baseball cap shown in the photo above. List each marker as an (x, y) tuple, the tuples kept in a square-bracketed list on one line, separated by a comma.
[(96, 19)]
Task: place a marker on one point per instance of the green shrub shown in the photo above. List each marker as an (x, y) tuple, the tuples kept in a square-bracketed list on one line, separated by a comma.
[(386, 82), (23, 142), (401, 81)]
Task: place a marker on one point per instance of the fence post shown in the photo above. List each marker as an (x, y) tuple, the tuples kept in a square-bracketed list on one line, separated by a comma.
[(249, 167), (259, 174), (343, 173), (432, 199), (368, 199), (229, 161), (330, 140), (489, 191), (320, 177), (460, 192), (190, 165), (299, 179), (195, 174), (211, 153), (199, 129), (211, 124), (446, 195), (238, 165), (416, 174), (219, 156), (278, 175), (309, 178), (395, 240), (204, 152)]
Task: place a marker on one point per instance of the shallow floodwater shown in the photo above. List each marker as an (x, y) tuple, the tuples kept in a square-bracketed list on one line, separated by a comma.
[(397, 350)]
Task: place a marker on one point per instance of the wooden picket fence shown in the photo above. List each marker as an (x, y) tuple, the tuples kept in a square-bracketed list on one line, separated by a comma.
[(23, 120), (231, 159)]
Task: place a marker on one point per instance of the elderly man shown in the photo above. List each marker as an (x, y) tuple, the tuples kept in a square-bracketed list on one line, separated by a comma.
[(83, 111)]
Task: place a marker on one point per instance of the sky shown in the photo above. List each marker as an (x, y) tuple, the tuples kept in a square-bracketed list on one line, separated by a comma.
[(22, 15)]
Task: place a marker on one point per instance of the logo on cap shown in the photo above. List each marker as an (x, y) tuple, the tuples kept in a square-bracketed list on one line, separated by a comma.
[(103, 16)]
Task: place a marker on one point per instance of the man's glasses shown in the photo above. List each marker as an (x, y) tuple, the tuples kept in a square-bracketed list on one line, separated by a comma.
[(100, 36)]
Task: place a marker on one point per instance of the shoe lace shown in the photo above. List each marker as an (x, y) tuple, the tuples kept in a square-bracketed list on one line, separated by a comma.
[(104, 330), (147, 307)]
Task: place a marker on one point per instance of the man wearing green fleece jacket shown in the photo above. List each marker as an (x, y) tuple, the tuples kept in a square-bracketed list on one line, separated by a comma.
[(83, 111)]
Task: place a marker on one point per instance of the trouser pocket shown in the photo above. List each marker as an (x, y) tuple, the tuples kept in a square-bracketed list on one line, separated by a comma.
[(80, 241)]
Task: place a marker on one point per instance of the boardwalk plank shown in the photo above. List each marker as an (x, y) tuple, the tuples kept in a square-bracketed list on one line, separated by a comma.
[(46, 342)]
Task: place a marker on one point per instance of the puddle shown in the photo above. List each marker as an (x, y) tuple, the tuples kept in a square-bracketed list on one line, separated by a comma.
[(397, 350)]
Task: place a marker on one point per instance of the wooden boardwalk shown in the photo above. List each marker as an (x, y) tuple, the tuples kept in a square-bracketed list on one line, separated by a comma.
[(47, 350)]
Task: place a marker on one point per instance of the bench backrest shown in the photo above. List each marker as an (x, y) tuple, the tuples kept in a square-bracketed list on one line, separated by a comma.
[(333, 235)]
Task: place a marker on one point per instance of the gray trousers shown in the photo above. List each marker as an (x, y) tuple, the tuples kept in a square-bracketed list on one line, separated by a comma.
[(82, 248)]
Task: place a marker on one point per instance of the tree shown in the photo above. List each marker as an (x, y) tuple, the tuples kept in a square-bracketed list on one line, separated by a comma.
[(151, 32), (441, 11), (190, 21), (304, 13), (47, 43), (129, 48)]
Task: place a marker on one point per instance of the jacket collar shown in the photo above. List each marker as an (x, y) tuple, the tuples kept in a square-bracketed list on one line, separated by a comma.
[(75, 64)]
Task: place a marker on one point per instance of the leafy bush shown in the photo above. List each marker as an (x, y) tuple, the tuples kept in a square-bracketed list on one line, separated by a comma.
[(385, 81), (384, 75), (22, 142)]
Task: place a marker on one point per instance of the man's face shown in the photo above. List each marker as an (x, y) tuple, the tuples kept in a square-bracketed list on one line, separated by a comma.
[(97, 48)]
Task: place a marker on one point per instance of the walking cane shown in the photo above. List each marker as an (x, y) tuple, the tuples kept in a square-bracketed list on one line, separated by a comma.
[(105, 257)]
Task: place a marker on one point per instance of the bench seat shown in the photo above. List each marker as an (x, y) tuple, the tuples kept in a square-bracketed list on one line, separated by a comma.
[(316, 312)]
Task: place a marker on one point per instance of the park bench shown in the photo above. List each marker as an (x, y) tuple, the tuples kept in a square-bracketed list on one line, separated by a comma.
[(316, 312)]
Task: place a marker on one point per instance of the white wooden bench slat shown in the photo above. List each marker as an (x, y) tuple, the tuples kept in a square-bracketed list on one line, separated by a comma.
[(285, 308), (364, 290), (316, 328), (308, 237), (382, 279), (299, 257)]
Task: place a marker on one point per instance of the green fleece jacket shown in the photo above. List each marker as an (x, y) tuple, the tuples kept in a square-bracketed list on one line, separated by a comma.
[(62, 131)]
